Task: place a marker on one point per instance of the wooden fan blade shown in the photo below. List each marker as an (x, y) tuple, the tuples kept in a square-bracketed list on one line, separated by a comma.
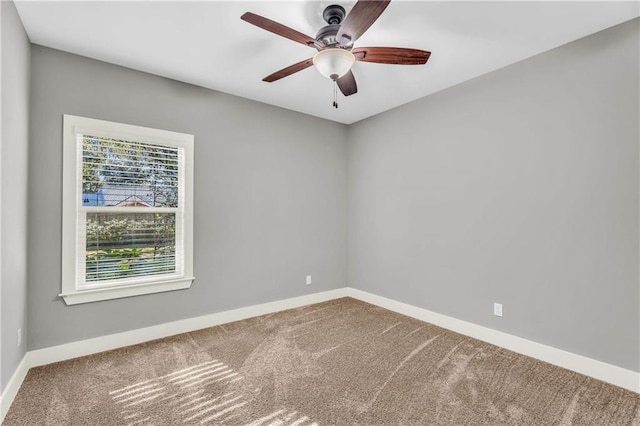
[(363, 14), (391, 55), (281, 30), (289, 70), (347, 84)]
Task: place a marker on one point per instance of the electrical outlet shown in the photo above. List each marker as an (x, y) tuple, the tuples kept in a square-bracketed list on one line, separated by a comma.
[(497, 309), (308, 279), (19, 337)]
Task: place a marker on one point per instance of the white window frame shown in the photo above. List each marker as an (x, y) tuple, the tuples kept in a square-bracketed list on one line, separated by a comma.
[(72, 291)]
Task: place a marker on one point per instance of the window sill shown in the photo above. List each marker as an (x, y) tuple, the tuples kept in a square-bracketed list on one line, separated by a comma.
[(95, 295)]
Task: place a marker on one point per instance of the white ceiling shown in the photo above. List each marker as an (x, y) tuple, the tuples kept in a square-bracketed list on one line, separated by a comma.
[(205, 43)]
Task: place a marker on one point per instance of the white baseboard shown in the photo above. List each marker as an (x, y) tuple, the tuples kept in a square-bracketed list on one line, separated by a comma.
[(618, 376), (141, 335), (71, 350), (11, 390), (606, 372)]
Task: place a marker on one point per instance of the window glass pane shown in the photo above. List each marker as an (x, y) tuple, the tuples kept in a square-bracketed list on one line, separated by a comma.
[(118, 173), (124, 245)]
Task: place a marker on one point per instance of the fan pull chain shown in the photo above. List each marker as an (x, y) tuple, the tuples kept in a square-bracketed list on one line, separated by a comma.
[(335, 94)]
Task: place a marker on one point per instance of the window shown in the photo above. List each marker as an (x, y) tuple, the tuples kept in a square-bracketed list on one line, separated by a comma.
[(127, 210)]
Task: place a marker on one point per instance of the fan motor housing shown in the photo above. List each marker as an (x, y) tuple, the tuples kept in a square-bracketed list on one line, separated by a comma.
[(327, 34), (333, 15)]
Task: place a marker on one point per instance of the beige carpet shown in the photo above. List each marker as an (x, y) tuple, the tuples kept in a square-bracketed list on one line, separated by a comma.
[(340, 362)]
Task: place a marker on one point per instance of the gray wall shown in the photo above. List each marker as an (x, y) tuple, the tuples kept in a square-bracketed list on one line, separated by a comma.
[(519, 187), (270, 196), (13, 228)]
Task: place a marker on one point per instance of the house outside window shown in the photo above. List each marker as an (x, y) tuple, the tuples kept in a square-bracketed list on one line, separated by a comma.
[(127, 210)]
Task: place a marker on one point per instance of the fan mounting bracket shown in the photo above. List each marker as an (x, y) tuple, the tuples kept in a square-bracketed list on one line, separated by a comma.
[(333, 14)]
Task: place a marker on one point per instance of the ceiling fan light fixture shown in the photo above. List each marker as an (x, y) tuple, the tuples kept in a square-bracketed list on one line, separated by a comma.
[(333, 63)]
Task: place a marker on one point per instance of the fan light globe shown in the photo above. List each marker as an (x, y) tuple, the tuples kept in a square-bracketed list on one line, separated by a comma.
[(333, 63)]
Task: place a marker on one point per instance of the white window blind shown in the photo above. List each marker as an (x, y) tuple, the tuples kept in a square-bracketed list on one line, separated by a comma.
[(132, 202), (132, 193)]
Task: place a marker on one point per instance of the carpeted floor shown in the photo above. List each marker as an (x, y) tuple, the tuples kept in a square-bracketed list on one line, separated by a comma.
[(341, 362)]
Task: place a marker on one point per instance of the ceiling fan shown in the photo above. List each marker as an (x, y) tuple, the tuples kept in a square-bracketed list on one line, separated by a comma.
[(334, 44)]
